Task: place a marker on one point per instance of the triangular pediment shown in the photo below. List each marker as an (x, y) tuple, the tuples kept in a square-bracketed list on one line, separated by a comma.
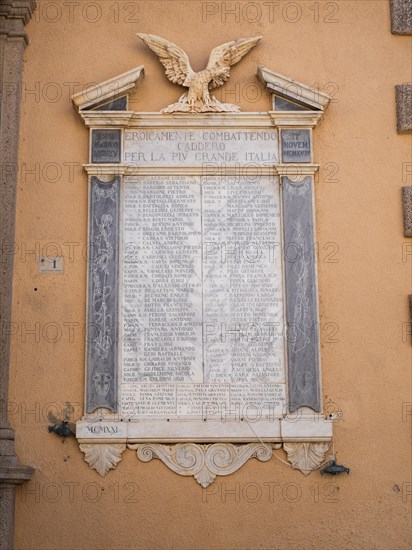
[(288, 95), (292, 95), (110, 95)]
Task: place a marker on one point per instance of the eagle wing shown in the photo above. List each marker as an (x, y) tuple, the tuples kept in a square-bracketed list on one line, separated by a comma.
[(173, 58), (226, 55)]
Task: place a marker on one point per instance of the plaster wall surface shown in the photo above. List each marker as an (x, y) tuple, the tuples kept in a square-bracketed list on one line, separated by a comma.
[(347, 49)]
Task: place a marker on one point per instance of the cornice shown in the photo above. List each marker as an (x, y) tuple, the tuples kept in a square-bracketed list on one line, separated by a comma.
[(14, 15)]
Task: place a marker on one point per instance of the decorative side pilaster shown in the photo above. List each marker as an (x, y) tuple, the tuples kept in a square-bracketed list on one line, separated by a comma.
[(13, 39), (301, 295), (103, 289)]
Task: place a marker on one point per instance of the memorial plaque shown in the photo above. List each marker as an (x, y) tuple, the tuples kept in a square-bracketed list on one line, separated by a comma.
[(200, 259), (106, 146), (202, 297), (296, 146)]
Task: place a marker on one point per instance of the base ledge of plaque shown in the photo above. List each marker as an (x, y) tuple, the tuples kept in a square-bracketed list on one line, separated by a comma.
[(288, 429), (173, 431), (203, 461), (218, 449), (306, 428)]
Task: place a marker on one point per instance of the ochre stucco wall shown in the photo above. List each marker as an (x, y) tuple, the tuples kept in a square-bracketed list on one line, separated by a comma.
[(364, 279)]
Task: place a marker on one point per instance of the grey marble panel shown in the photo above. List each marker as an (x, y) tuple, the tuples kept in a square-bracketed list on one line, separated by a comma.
[(285, 105), (401, 17), (404, 108), (301, 295), (296, 146), (407, 211), (119, 104), (106, 146), (102, 318)]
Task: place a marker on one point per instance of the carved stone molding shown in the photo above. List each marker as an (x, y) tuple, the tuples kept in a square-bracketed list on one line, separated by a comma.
[(102, 457), (292, 90), (306, 456), (204, 462), (18, 9), (14, 15), (109, 90)]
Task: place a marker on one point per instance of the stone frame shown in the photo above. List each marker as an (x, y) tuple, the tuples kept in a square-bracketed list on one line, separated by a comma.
[(303, 431)]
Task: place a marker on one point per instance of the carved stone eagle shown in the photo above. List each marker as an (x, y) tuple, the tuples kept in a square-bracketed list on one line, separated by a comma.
[(217, 72)]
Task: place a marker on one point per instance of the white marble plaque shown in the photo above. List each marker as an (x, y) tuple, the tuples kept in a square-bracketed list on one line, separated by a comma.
[(152, 147), (162, 280), (202, 298), (236, 401), (242, 281)]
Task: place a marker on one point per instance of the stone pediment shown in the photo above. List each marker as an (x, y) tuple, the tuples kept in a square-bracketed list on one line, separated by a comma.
[(107, 95), (292, 95), (288, 95)]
